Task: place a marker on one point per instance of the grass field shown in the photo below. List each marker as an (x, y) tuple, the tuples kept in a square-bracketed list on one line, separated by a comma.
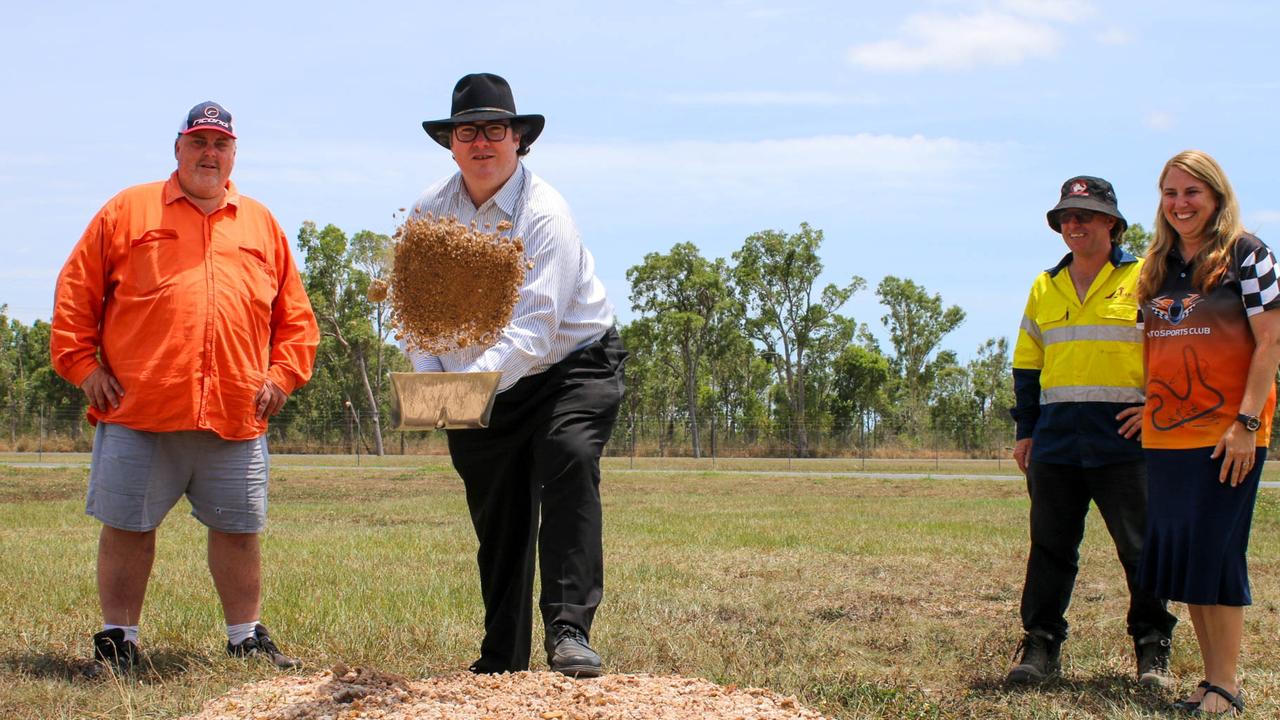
[(866, 597)]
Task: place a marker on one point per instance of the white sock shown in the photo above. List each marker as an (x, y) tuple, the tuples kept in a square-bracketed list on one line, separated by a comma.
[(130, 631), (237, 634)]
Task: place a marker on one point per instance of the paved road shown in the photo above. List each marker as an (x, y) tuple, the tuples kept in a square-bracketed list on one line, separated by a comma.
[(772, 473)]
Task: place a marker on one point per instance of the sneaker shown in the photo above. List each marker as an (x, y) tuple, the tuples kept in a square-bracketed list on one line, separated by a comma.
[(1152, 651), (1037, 658), (569, 654), (111, 650), (260, 643)]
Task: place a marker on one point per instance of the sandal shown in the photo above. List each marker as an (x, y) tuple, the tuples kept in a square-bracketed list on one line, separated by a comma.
[(1237, 705), (1189, 705)]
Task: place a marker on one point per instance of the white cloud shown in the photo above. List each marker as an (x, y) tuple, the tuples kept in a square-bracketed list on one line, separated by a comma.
[(697, 179), (768, 97), (1003, 34), (1158, 120), (1061, 10), (954, 42)]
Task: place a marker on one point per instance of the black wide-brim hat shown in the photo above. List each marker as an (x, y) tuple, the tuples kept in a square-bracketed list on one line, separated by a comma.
[(1088, 193), (483, 97)]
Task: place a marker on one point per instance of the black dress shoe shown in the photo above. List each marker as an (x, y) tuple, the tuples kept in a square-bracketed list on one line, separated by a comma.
[(486, 667), (569, 654)]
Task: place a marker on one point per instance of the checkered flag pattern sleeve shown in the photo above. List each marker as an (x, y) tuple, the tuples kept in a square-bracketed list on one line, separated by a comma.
[(1259, 288)]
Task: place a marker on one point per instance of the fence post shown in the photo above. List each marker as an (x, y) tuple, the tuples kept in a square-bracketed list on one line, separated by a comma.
[(713, 441), (633, 442), (40, 437), (790, 445), (346, 405), (936, 460)]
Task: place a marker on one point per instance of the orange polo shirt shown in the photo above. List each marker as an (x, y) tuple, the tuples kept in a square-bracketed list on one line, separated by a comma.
[(190, 312)]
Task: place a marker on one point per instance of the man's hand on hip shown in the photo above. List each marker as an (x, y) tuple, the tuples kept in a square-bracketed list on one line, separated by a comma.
[(269, 400), (102, 389)]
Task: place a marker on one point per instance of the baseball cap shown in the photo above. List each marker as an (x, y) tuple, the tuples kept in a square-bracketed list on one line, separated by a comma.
[(208, 115)]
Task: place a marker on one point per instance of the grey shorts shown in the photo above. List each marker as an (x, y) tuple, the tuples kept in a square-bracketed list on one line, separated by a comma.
[(136, 477)]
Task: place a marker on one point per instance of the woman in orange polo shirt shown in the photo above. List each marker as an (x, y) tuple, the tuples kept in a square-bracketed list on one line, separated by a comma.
[(1207, 297)]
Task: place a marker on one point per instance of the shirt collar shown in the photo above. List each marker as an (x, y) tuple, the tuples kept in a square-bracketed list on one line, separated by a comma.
[(1119, 256), (173, 192), (507, 196), (1174, 257)]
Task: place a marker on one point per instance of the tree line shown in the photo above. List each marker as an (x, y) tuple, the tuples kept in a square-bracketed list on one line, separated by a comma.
[(745, 350)]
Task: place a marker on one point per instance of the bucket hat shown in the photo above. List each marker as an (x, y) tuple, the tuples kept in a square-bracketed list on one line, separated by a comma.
[(1088, 193)]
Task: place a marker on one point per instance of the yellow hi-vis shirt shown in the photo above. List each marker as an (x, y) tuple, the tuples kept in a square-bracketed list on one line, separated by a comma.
[(1077, 364)]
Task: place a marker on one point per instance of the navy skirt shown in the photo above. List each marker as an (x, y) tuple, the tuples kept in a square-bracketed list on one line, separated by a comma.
[(1197, 529)]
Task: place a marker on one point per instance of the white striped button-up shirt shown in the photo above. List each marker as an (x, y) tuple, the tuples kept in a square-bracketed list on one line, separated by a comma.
[(562, 305)]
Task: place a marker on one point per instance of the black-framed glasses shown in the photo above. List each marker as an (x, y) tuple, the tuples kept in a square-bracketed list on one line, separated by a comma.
[(493, 132), (1084, 217)]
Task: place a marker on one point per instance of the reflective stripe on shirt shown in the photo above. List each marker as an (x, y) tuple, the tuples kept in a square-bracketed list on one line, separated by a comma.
[(1090, 393)]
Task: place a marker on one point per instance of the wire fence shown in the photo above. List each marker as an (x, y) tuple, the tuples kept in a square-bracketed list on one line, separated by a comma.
[(43, 429)]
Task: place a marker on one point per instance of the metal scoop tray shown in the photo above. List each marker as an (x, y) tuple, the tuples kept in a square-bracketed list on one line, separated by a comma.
[(442, 400)]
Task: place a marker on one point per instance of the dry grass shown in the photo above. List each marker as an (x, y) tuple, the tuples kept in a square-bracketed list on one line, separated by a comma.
[(863, 597)]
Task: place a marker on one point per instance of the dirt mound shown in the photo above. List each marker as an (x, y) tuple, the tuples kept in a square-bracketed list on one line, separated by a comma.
[(349, 693)]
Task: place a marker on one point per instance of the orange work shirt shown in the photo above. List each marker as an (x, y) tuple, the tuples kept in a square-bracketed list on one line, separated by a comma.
[(190, 312)]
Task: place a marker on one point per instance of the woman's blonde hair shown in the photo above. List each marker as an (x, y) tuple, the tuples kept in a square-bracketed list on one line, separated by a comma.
[(1224, 228)]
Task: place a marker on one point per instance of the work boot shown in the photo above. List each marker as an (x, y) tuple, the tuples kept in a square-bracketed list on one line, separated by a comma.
[(1037, 658), (1152, 651), (569, 654), (111, 650), (261, 644)]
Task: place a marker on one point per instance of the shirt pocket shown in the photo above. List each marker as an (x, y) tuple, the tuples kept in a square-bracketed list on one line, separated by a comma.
[(154, 261), (1121, 311), (258, 276), (1052, 312)]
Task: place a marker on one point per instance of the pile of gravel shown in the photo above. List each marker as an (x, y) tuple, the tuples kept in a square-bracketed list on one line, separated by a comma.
[(452, 285), (349, 693)]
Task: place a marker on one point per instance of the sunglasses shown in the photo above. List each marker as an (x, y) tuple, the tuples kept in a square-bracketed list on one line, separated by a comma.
[(1084, 217), (468, 133)]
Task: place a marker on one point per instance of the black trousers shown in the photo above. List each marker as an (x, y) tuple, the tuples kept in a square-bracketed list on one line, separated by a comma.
[(1060, 496), (539, 460)]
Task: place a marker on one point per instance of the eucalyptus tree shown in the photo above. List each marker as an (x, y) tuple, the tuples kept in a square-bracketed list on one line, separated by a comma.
[(861, 374), (992, 378), (1136, 239), (652, 378), (337, 284), (687, 297), (775, 277), (917, 322)]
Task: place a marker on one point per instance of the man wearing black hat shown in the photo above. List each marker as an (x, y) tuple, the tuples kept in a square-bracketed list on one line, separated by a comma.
[(182, 316), (1077, 372), (532, 477)]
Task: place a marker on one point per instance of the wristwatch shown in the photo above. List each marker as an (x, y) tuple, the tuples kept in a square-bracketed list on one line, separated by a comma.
[(1250, 422)]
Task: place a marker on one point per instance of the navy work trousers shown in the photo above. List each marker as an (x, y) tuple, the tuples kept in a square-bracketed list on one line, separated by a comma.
[(1060, 496)]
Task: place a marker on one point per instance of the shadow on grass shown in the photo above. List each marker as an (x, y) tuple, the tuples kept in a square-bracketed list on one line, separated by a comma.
[(1102, 691), (157, 665)]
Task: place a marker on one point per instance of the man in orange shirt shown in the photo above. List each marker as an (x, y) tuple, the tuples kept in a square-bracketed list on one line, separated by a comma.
[(182, 316)]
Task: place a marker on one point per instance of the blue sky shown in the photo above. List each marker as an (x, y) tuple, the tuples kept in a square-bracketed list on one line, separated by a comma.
[(925, 139)]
